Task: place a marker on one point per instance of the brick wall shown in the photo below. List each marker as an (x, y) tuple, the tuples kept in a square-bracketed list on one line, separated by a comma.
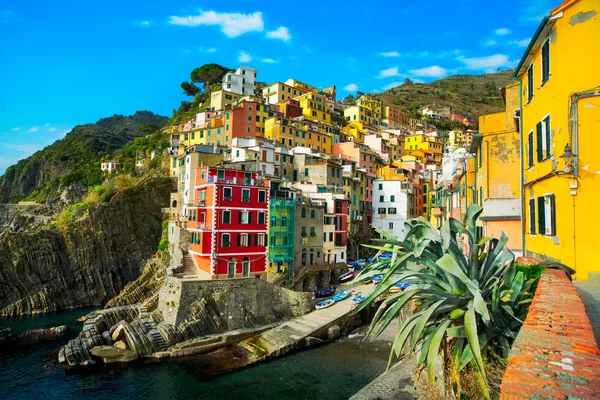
[(555, 355)]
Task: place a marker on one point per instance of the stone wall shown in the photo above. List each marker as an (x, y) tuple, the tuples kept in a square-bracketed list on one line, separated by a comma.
[(555, 354), (231, 304)]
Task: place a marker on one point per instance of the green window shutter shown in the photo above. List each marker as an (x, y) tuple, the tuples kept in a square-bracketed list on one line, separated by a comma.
[(545, 61), (530, 149), (538, 133), (552, 215), (240, 217), (261, 218), (546, 123), (541, 215), (532, 216)]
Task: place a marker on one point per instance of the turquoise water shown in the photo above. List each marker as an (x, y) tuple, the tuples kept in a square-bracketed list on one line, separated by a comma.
[(333, 371)]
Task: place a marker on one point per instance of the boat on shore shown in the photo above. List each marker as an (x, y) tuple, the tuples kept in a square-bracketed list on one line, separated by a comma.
[(347, 277), (324, 293), (341, 296), (359, 299), (324, 304)]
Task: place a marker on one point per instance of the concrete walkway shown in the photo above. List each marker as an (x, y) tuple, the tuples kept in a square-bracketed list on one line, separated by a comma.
[(590, 294), (291, 332)]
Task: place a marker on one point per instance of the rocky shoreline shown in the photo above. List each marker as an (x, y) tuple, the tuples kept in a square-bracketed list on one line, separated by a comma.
[(33, 336)]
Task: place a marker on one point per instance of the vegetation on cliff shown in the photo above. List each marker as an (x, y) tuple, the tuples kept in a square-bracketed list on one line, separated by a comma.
[(76, 158)]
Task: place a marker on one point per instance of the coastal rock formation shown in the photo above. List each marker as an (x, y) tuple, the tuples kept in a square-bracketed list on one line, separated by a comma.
[(32, 336), (87, 262)]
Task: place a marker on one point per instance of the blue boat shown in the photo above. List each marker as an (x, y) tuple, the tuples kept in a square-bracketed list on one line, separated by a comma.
[(324, 304), (359, 299), (320, 294), (341, 296), (377, 279)]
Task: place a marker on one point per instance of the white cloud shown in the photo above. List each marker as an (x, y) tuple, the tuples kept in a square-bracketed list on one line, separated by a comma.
[(488, 64), (46, 125), (207, 50), (352, 87), (434, 71), (268, 60), (231, 24), (418, 81), (520, 43), (244, 57), (52, 130), (281, 33), (386, 73), (392, 85), (390, 54), (501, 31), (490, 43), (34, 129), (15, 129)]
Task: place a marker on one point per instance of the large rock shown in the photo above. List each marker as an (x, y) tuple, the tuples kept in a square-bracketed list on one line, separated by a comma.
[(118, 333), (111, 354), (89, 260), (333, 332), (120, 345)]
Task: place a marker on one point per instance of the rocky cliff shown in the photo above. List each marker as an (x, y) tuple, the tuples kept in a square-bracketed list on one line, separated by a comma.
[(88, 261)]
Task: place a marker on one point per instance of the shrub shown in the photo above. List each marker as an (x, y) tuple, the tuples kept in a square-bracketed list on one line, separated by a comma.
[(164, 243), (165, 225)]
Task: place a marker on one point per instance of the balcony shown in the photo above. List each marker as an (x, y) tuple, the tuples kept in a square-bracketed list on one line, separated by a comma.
[(201, 203)]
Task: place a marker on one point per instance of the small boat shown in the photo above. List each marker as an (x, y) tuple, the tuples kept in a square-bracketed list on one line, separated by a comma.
[(359, 299), (398, 287), (377, 279), (324, 304), (367, 280), (347, 277), (323, 293), (341, 296)]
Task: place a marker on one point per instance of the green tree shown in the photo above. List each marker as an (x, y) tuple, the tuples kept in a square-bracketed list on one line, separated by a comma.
[(208, 74), (189, 89)]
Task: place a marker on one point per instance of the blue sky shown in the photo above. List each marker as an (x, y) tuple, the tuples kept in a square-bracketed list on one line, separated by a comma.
[(65, 63)]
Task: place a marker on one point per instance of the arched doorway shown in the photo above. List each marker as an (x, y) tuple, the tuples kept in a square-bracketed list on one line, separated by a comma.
[(246, 267), (173, 204), (321, 280), (305, 285)]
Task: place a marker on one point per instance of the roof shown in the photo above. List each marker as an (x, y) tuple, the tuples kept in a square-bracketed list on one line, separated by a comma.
[(530, 46)]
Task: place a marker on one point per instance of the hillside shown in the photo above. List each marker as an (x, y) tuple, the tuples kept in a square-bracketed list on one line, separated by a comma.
[(75, 158), (473, 95)]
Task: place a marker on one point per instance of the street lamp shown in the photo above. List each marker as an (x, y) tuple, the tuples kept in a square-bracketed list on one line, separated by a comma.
[(568, 156)]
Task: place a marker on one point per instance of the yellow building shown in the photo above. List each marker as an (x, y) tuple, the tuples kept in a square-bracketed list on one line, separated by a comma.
[(222, 98), (357, 130), (279, 92), (560, 117), (368, 110), (314, 107), (497, 171), (292, 133), (432, 147)]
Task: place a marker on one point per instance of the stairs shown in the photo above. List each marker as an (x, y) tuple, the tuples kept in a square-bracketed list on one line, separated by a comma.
[(189, 268)]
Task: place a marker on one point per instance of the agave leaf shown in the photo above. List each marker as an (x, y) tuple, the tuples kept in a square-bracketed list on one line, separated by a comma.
[(473, 339), (405, 330), (516, 288), (391, 312), (425, 346), (434, 348), (423, 319), (445, 235), (456, 331)]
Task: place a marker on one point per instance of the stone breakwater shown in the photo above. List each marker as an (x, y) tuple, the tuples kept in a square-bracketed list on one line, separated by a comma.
[(32, 336), (87, 262), (188, 314)]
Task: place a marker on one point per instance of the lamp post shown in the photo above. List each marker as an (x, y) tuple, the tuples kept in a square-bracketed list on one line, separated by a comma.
[(568, 157)]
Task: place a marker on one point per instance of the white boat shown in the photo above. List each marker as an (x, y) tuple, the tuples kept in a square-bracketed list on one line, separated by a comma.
[(324, 304)]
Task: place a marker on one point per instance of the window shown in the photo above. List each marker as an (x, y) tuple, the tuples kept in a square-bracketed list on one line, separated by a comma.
[(259, 239), (546, 134), (545, 61), (381, 186), (225, 240), (202, 174), (303, 256), (532, 216), (391, 210), (393, 198), (312, 213), (245, 217), (530, 149), (530, 83), (312, 232), (227, 194), (547, 215), (226, 217), (391, 225), (243, 239), (303, 231), (381, 199), (303, 212), (262, 196), (261, 218), (542, 131), (381, 210), (246, 195), (324, 237), (220, 174), (246, 267), (331, 236)]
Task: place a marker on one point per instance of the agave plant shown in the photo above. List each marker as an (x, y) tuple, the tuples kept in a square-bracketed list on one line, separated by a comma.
[(467, 302)]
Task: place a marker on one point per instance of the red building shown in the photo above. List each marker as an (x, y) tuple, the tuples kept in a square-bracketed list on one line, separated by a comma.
[(341, 224), (228, 225), (292, 108)]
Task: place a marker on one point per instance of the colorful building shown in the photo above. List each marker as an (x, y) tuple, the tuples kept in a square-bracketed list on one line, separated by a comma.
[(560, 121), (242, 81), (282, 225), (228, 224), (497, 170)]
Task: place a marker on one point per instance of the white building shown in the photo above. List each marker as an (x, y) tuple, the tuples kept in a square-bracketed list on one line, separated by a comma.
[(242, 81), (111, 166), (392, 206), (254, 149)]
